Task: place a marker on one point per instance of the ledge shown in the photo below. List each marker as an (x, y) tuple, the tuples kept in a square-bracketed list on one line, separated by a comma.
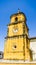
[(16, 61)]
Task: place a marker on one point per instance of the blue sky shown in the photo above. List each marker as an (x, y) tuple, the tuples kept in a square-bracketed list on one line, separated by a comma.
[(8, 7)]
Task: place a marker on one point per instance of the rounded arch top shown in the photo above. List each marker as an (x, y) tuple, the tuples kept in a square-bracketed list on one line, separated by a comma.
[(20, 16)]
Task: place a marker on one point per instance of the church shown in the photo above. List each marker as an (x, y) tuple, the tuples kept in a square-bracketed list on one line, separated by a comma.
[(17, 44), (17, 41)]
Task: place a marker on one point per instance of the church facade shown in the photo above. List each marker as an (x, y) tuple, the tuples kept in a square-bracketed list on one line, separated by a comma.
[(17, 41), (17, 45)]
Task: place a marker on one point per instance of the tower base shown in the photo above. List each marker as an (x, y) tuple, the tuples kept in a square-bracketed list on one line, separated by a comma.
[(16, 62)]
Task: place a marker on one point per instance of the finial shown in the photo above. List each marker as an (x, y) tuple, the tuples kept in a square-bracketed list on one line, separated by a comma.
[(18, 10)]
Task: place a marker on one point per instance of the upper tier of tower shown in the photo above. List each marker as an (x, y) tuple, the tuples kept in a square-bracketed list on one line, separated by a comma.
[(18, 17)]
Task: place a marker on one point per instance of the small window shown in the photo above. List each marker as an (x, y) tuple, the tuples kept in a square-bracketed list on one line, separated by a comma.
[(16, 19), (14, 47)]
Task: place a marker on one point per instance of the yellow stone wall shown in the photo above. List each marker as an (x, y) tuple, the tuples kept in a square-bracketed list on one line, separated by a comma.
[(18, 53), (10, 52)]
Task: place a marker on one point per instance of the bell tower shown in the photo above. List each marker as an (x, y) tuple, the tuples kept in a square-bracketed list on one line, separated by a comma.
[(17, 46)]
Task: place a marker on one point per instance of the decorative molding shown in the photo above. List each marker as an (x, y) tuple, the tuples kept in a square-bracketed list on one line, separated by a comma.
[(23, 35)]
